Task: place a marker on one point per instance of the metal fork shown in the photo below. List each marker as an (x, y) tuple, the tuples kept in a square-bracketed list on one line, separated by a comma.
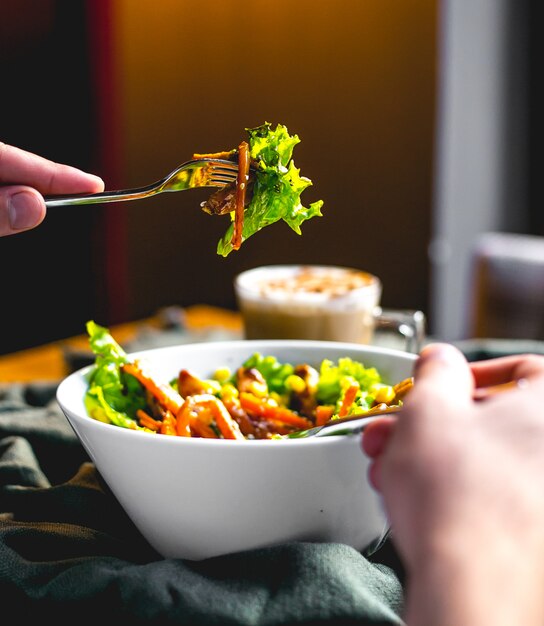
[(189, 175), (355, 424), (351, 425)]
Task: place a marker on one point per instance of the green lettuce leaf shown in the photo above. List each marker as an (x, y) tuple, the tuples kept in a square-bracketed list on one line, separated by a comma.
[(112, 396), (333, 378), (277, 188), (274, 372)]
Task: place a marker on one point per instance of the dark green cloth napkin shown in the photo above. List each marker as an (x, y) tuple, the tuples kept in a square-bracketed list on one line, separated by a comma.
[(69, 553)]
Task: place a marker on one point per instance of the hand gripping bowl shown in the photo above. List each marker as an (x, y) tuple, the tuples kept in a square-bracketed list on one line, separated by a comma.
[(196, 498)]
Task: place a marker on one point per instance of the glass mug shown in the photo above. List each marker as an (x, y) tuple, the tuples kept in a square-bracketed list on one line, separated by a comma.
[(320, 302)]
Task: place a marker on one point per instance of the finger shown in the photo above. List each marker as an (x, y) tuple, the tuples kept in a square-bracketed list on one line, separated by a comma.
[(24, 168), (374, 474), (376, 435), (505, 369), (21, 208), (441, 370)]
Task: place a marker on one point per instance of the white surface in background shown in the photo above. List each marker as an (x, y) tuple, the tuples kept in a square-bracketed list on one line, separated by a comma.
[(479, 164)]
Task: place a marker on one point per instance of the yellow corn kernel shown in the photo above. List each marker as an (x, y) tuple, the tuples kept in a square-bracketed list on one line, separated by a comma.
[(216, 386), (383, 393), (229, 391), (295, 383), (258, 388), (274, 399), (222, 374)]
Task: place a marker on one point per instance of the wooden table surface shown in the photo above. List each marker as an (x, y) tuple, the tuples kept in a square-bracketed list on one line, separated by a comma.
[(47, 363)]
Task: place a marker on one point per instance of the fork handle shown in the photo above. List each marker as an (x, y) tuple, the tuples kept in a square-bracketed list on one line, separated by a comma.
[(103, 196)]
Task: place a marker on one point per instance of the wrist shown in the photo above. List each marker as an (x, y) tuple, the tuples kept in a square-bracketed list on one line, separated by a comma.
[(488, 585)]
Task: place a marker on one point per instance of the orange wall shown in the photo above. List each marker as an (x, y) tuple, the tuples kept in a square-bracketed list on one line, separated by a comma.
[(355, 79)]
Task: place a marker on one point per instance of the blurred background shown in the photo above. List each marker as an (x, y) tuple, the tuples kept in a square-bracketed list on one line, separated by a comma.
[(419, 123)]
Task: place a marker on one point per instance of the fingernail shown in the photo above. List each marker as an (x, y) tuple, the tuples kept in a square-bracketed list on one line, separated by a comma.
[(439, 352), (24, 210), (98, 180)]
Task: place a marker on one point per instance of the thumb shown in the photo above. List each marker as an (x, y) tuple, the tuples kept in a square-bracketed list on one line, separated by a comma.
[(21, 208), (442, 370)]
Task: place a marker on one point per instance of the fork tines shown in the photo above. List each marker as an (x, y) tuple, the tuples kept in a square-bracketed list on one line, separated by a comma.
[(223, 172)]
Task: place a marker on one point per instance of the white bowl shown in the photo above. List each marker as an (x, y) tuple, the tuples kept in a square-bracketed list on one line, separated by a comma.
[(199, 498)]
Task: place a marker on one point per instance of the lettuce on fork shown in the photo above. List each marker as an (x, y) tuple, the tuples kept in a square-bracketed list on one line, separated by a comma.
[(277, 187)]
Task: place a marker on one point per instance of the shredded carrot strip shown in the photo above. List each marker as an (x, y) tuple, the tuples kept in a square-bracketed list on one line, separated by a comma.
[(382, 408), (402, 388), (165, 395), (227, 425), (240, 199), (280, 428), (168, 426), (200, 429), (224, 154), (348, 399), (323, 413), (183, 418), (233, 406), (147, 421), (255, 406)]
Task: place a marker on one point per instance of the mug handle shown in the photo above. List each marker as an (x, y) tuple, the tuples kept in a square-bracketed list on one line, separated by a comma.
[(408, 323)]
